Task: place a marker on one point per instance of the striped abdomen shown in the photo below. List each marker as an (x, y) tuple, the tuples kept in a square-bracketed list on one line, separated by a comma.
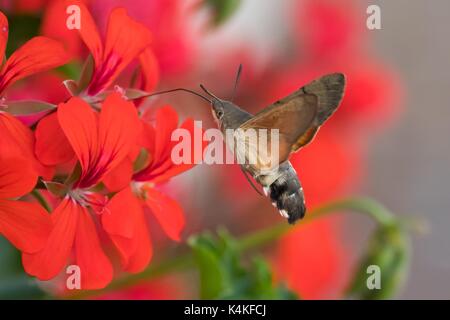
[(286, 193)]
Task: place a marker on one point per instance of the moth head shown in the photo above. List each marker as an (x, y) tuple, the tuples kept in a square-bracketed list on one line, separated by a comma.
[(218, 105), (218, 109)]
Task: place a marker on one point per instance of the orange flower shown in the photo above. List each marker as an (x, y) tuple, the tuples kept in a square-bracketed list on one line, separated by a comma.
[(100, 143), (36, 55)]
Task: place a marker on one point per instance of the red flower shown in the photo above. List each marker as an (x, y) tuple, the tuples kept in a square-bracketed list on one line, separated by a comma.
[(132, 238), (313, 260), (328, 29), (26, 225), (36, 55), (125, 41), (100, 142), (173, 43), (17, 140)]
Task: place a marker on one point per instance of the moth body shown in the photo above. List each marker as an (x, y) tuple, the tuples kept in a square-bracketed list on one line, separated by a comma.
[(285, 191), (297, 119)]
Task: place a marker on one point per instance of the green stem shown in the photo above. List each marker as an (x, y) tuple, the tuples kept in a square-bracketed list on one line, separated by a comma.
[(254, 240), (358, 205), (40, 198)]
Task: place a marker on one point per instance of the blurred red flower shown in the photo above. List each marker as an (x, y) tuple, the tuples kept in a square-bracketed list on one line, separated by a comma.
[(172, 46)]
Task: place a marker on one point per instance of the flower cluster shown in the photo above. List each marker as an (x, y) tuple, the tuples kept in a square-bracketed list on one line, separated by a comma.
[(83, 162), (94, 156)]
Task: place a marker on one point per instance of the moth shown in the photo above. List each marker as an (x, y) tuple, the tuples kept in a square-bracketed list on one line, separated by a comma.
[(297, 119)]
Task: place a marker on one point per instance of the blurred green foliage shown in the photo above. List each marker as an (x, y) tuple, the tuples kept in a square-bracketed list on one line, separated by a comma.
[(224, 275), (389, 250), (221, 10), (21, 29), (14, 283)]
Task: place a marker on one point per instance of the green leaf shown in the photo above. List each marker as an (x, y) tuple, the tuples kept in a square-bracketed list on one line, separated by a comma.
[(72, 87), (223, 275), (222, 10), (56, 188), (211, 278), (28, 107), (29, 111), (388, 250)]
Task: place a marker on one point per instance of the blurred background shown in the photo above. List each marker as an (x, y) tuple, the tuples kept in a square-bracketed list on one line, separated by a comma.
[(384, 142)]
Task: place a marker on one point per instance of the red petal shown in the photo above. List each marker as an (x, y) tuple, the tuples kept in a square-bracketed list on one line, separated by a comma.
[(168, 213), (119, 218), (163, 171), (129, 232), (80, 125), (125, 40), (96, 269), (48, 262), (144, 251), (149, 70), (36, 55), (89, 32), (119, 129), (3, 35), (166, 123), (17, 178), (99, 145), (52, 146), (17, 141), (119, 178), (148, 137), (26, 225), (175, 170)]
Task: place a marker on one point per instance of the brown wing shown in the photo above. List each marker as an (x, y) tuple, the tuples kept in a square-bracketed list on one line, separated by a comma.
[(292, 117), (329, 91), (298, 116)]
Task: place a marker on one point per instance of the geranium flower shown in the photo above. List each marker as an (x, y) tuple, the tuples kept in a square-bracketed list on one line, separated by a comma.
[(132, 238), (36, 55), (100, 143), (27, 225), (173, 41), (125, 41)]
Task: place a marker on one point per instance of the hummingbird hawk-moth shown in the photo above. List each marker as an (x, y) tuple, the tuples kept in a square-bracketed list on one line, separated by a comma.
[(297, 117)]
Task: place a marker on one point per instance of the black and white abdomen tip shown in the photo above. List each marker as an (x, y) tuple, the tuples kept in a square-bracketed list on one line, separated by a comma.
[(286, 194)]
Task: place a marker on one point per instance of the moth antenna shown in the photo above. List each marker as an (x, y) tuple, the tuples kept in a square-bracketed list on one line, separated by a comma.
[(207, 92), (179, 89), (236, 81)]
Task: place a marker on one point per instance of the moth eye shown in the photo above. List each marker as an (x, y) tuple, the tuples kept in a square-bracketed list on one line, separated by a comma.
[(219, 114)]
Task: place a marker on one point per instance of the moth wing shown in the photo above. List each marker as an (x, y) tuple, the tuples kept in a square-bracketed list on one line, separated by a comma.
[(292, 117), (329, 91)]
